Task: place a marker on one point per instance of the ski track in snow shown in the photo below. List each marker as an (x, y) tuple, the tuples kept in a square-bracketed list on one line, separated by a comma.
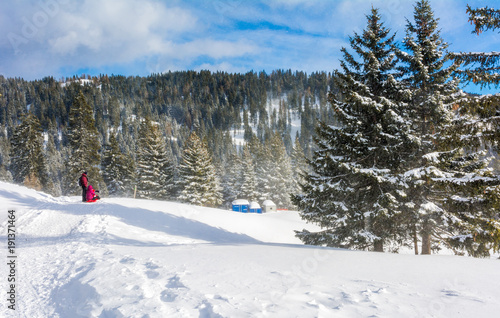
[(136, 258)]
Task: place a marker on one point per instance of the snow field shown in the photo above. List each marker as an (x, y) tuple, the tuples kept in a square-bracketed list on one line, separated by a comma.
[(137, 258)]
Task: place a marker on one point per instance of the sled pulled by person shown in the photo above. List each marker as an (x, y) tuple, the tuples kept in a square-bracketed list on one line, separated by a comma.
[(91, 194)]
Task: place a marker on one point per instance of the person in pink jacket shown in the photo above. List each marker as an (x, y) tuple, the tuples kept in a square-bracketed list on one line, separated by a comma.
[(91, 196)]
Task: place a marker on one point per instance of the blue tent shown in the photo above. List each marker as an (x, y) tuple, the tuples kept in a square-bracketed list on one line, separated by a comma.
[(255, 208), (241, 206)]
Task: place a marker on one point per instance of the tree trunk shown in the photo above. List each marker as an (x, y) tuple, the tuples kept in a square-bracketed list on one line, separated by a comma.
[(426, 244), (415, 240), (378, 246)]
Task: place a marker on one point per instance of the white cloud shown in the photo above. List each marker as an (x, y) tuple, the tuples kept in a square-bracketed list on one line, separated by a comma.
[(60, 37), (94, 33), (125, 29)]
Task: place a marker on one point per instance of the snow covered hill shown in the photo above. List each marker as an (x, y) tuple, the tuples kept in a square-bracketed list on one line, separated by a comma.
[(136, 258)]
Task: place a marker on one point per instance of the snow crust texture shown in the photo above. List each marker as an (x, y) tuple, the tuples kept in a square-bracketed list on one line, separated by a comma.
[(139, 258)]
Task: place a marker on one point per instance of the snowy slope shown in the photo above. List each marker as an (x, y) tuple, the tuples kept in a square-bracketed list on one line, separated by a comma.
[(136, 258)]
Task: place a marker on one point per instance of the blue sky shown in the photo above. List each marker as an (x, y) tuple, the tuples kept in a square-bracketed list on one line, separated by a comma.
[(62, 38)]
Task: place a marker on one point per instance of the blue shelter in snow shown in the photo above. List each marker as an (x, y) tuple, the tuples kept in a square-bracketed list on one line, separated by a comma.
[(241, 206), (255, 207)]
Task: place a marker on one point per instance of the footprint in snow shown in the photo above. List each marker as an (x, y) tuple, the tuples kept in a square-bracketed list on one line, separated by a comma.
[(127, 260), (175, 282), (207, 311), (151, 265), (167, 296), (152, 274)]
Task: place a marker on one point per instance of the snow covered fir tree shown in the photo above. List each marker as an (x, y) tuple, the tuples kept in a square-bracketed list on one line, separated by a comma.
[(351, 189), (385, 153), (280, 174), (118, 169), (28, 164), (84, 146), (450, 182), (479, 113), (249, 179), (433, 94), (155, 169), (198, 179)]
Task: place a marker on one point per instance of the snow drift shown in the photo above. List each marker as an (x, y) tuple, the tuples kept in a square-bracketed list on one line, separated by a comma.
[(137, 258)]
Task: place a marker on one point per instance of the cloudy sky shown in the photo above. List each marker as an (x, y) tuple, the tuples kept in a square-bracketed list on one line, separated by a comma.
[(138, 37)]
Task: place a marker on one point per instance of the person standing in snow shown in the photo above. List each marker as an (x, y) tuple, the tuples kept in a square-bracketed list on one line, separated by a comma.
[(84, 182)]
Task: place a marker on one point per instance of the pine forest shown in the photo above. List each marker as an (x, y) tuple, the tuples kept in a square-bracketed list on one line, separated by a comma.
[(387, 152)]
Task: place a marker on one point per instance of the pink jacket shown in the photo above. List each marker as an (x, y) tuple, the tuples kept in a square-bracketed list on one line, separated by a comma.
[(90, 193)]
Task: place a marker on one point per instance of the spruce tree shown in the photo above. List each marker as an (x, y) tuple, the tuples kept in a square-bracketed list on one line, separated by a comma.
[(5, 174), (200, 183), (118, 170), (84, 145), (482, 112), (265, 176), (280, 174), (470, 186), (434, 94), (461, 190), (465, 194), (55, 164), (232, 180), (299, 167), (154, 167), (28, 164), (249, 185), (352, 189)]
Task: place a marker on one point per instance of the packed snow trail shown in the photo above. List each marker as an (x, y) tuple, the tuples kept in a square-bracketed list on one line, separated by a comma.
[(136, 258)]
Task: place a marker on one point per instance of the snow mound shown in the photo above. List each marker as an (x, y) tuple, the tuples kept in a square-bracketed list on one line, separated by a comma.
[(137, 258)]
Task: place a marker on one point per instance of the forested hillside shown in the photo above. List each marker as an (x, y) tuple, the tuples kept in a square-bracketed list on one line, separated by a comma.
[(260, 107)]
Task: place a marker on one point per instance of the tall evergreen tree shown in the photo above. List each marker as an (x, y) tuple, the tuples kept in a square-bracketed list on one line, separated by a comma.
[(264, 169), (28, 162), (118, 169), (201, 185), (84, 144), (281, 173), (351, 191), (299, 166), (249, 185), (232, 179), (469, 186), (5, 174), (433, 95), (465, 193), (55, 164), (154, 167)]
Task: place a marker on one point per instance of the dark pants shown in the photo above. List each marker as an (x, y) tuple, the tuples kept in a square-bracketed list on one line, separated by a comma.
[(84, 194)]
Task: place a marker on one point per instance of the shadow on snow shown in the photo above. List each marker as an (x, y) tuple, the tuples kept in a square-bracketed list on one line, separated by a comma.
[(143, 218)]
